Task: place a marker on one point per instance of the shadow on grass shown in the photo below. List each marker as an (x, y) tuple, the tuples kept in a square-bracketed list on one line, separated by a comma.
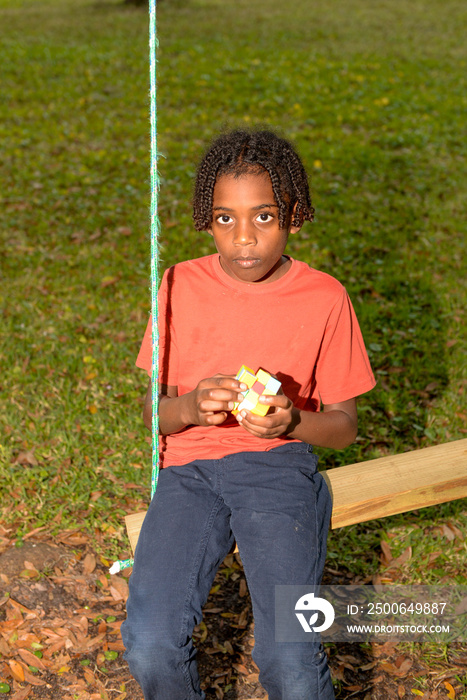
[(142, 5), (405, 335), (383, 258)]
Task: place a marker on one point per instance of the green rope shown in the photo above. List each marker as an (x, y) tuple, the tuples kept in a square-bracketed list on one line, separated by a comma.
[(155, 228)]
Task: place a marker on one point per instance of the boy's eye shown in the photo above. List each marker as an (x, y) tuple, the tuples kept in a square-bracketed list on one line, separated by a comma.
[(224, 219), (264, 217)]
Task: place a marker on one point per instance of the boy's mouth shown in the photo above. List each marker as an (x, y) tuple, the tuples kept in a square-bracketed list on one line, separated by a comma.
[(246, 262)]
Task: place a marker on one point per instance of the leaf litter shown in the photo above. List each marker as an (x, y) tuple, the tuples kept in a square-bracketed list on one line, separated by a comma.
[(60, 634)]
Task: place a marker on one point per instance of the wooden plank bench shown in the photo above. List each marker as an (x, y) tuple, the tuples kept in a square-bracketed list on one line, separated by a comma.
[(384, 486)]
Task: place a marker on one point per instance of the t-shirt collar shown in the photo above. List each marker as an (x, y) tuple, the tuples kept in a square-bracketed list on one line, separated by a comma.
[(265, 288)]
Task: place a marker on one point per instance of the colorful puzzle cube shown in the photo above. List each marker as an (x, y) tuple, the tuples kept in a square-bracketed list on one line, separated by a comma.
[(259, 384)]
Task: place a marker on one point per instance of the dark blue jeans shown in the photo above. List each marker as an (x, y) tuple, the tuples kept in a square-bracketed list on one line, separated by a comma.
[(277, 507)]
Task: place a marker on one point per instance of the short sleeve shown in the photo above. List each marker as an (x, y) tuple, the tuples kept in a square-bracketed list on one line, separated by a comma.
[(168, 356), (343, 369), (144, 359)]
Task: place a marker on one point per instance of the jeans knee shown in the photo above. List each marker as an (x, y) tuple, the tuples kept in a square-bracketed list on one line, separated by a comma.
[(150, 659), (164, 669), (294, 672)]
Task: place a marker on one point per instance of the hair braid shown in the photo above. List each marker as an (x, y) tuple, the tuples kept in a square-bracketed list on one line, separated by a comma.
[(304, 211), (241, 151)]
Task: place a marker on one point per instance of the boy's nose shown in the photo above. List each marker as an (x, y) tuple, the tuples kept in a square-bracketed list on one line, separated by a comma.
[(244, 234)]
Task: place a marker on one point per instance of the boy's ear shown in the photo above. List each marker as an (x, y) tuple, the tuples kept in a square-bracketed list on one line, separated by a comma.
[(209, 228), (294, 229)]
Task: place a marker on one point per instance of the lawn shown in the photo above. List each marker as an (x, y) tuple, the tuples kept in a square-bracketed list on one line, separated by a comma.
[(373, 96)]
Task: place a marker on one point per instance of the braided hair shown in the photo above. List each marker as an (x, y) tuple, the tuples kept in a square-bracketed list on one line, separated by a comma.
[(243, 152)]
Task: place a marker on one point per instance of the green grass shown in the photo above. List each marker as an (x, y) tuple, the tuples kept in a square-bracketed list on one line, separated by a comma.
[(373, 96)]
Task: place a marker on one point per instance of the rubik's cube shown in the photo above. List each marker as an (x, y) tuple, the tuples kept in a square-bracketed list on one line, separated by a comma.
[(259, 384)]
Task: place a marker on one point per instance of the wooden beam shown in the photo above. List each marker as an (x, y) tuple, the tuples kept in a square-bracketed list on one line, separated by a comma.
[(397, 484), (133, 526), (384, 486)]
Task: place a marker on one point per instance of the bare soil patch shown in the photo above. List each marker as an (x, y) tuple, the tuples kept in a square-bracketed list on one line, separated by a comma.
[(60, 617)]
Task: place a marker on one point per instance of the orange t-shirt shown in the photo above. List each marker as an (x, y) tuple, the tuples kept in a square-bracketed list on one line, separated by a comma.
[(301, 328)]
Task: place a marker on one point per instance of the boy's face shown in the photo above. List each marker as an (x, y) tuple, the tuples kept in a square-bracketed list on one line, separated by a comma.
[(245, 228)]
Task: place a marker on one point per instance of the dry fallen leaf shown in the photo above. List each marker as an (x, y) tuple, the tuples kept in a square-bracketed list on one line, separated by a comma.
[(383, 649), (22, 608), (29, 565), (457, 532), (83, 624), (33, 680), (89, 676), (347, 658), (376, 680), (402, 558), (22, 694), (451, 691), (89, 563), (240, 668), (17, 670), (242, 620), (243, 589), (405, 667), (338, 672), (102, 627), (386, 557), (448, 533), (368, 667), (27, 458), (32, 660), (388, 667), (73, 537), (119, 588), (398, 671)]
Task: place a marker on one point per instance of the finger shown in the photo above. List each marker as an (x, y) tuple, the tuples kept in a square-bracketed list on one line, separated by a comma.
[(229, 382), (257, 425), (222, 395), (278, 400), (272, 425), (209, 406), (263, 433), (216, 418), (272, 420), (250, 427)]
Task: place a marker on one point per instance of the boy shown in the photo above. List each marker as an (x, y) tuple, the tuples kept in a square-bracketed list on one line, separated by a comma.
[(252, 478)]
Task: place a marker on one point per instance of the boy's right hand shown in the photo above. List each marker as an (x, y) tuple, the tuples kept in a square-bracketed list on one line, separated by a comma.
[(213, 399)]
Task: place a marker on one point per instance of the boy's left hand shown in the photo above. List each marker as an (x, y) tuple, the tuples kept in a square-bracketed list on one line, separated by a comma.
[(274, 424)]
